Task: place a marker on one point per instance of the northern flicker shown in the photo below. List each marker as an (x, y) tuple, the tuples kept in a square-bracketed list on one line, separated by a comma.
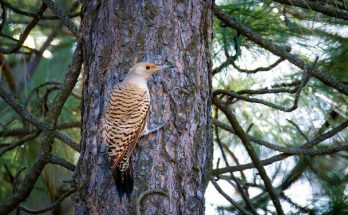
[(125, 122)]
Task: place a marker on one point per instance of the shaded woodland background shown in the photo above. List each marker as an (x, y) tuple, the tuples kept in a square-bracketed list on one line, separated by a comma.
[(279, 106)]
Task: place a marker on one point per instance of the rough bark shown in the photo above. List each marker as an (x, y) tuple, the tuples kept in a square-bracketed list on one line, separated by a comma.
[(177, 159)]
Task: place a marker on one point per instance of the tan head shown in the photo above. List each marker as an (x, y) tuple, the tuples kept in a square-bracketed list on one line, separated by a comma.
[(145, 70)]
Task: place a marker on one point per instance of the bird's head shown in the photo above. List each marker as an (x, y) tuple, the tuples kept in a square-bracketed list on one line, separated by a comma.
[(145, 70)]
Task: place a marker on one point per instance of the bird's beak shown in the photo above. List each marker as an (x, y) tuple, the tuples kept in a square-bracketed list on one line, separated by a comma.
[(166, 66)]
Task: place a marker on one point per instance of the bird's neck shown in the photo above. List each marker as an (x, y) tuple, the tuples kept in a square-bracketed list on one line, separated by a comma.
[(136, 80)]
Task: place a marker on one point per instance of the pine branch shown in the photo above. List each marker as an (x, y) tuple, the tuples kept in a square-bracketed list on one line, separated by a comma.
[(250, 149), (26, 32), (241, 167), (17, 143), (61, 162), (278, 50), (63, 17), (318, 7), (301, 150), (228, 198), (52, 206)]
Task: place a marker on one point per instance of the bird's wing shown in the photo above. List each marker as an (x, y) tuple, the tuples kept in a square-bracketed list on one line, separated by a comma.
[(125, 119), (132, 145)]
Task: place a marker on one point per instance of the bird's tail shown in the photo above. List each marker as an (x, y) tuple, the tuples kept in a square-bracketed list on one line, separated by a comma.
[(124, 181)]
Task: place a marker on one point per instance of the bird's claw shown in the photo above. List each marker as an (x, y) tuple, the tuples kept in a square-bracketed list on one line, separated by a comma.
[(148, 131)]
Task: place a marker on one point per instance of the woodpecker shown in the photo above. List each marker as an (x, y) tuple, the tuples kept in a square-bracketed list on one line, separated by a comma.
[(125, 122)]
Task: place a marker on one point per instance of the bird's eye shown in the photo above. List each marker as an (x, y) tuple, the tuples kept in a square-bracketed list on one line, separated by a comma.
[(147, 67)]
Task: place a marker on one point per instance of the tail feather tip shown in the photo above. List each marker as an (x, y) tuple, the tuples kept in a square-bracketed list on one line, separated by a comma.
[(124, 182)]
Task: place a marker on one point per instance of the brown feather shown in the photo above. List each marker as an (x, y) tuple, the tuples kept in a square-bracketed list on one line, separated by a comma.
[(125, 120), (132, 145)]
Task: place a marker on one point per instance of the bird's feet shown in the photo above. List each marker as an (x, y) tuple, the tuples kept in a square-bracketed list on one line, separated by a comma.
[(148, 131)]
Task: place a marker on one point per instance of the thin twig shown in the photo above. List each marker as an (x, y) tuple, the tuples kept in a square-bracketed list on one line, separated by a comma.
[(19, 142), (249, 148), (67, 140), (228, 198), (68, 85), (259, 69), (299, 130), (63, 17), (278, 50), (32, 68), (251, 100), (294, 106), (301, 208), (52, 206), (225, 64), (267, 91), (21, 110), (26, 13), (290, 178), (323, 8), (48, 133), (23, 46), (285, 84), (28, 183), (52, 159), (301, 150), (241, 167), (16, 179), (3, 15), (37, 88), (235, 159), (239, 186), (26, 32), (25, 131), (6, 71)]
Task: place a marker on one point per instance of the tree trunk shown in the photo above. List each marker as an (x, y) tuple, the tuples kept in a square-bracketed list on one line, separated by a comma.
[(175, 160)]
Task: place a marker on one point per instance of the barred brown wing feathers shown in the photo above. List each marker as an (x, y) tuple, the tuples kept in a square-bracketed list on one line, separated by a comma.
[(134, 142), (125, 119)]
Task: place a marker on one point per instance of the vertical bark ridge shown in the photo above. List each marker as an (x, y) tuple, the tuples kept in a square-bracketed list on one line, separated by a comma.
[(177, 158)]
